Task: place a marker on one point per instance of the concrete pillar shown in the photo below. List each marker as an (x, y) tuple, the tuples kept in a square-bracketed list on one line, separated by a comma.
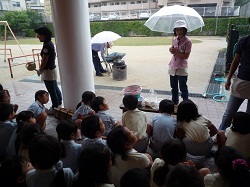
[(73, 44)]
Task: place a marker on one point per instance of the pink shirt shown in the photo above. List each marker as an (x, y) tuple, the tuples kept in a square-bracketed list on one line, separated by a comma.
[(184, 45)]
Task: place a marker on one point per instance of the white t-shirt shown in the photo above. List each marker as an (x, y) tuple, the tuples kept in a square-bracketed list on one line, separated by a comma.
[(215, 180)]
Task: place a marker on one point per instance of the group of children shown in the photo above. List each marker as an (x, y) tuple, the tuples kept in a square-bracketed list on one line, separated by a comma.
[(131, 153)]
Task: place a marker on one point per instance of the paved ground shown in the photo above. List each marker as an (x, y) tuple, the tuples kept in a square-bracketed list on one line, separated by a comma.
[(146, 66)]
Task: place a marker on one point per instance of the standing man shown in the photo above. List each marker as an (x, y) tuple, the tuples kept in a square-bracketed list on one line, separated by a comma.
[(178, 65), (47, 69), (96, 47)]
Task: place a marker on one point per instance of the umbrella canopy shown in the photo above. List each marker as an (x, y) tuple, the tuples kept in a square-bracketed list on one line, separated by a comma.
[(105, 36), (164, 19)]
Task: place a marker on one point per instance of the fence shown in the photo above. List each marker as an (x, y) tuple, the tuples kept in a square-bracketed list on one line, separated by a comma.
[(34, 59)]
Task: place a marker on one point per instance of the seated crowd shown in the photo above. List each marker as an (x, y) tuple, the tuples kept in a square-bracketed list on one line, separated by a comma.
[(130, 153)]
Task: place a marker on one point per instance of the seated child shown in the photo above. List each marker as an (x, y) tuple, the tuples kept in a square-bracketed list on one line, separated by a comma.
[(5, 97), (121, 142), (198, 129), (136, 177), (184, 175), (136, 121), (13, 171), (94, 165), (93, 129), (7, 127), (38, 108), (233, 169), (163, 126), (66, 131), (23, 117), (44, 153), (101, 107), (172, 153), (238, 135)]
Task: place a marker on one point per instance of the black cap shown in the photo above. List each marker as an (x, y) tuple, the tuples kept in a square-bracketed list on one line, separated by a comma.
[(43, 30)]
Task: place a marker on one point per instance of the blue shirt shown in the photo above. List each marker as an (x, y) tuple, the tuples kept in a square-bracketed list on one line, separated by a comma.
[(99, 47), (108, 120), (87, 141), (37, 108), (82, 110)]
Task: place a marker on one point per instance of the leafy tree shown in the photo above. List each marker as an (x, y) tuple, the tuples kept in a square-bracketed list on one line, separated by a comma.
[(36, 19), (240, 2)]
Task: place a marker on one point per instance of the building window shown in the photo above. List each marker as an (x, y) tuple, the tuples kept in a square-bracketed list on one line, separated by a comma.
[(144, 1), (154, 1), (104, 4), (111, 3), (96, 5), (123, 3), (132, 2), (1, 6), (117, 3), (138, 2), (16, 4)]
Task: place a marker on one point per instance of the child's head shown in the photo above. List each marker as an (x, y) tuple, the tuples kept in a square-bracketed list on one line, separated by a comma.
[(66, 130), (187, 111), (92, 127), (184, 175), (1, 87), (6, 111), (13, 171), (121, 139), (99, 104), (42, 96), (4, 97), (231, 165), (94, 164), (166, 106), (44, 152), (87, 97), (130, 102), (172, 152), (136, 177), (239, 123), (25, 117)]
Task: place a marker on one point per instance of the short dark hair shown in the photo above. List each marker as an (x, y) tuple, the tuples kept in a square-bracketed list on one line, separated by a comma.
[(166, 106), (96, 103), (90, 126), (130, 102), (44, 151), (187, 111), (65, 128), (136, 177), (1, 87), (39, 93), (43, 30), (6, 109), (87, 96), (239, 123)]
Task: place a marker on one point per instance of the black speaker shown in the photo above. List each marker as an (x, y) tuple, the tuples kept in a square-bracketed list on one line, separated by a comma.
[(232, 40)]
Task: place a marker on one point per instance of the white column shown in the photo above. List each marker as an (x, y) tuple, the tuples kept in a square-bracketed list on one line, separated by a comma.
[(73, 44)]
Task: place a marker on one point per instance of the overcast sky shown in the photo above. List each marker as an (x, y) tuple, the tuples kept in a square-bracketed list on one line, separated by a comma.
[(42, 1)]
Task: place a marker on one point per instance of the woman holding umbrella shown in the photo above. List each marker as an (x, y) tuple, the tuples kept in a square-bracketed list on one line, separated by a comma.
[(178, 65), (47, 69)]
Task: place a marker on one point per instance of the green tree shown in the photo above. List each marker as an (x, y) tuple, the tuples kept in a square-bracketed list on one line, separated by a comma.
[(36, 19), (240, 2), (19, 21)]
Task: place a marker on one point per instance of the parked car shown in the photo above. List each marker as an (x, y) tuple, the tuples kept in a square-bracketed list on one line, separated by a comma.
[(94, 17), (144, 14), (113, 15), (104, 17)]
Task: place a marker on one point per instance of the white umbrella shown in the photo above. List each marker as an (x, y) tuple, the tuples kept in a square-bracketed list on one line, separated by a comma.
[(164, 19), (105, 36)]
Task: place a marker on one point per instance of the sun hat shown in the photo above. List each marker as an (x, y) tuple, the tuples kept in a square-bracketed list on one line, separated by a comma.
[(43, 30), (180, 24)]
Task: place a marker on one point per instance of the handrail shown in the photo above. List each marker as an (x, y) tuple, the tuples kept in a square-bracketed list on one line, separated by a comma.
[(6, 54), (23, 56)]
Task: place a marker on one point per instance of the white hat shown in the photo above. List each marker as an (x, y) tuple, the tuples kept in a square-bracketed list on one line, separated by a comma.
[(110, 44), (180, 24)]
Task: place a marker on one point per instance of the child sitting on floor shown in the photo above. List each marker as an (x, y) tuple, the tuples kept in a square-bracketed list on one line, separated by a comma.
[(38, 108), (198, 129), (121, 142), (101, 107), (5, 97), (93, 128), (163, 127), (66, 131), (136, 121), (44, 153), (238, 135)]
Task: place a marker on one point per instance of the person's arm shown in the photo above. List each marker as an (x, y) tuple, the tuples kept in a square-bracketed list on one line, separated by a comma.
[(233, 68), (212, 130), (102, 49), (43, 64)]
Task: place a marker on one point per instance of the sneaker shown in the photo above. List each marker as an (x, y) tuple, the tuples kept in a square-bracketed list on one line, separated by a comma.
[(104, 71), (99, 74)]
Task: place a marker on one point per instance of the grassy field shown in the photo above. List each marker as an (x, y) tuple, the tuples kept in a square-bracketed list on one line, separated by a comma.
[(124, 41)]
